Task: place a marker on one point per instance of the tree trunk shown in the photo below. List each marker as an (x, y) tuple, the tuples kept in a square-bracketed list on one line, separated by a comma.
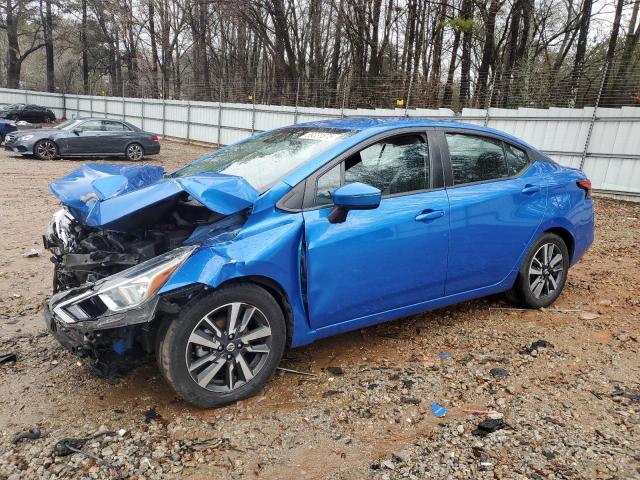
[(630, 44), (465, 61), (581, 48), (488, 56), (85, 54), (154, 50), (448, 87), (14, 64), (511, 52), (611, 50), (335, 56), (47, 23)]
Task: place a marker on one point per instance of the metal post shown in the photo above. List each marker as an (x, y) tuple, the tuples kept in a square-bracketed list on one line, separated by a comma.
[(64, 106), (189, 122), (106, 107), (253, 108), (344, 100), (91, 100), (219, 115), (124, 107), (593, 116), (164, 115), (406, 107), (142, 112), (295, 112)]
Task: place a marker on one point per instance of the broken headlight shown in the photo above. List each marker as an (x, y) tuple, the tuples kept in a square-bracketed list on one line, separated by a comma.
[(125, 290)]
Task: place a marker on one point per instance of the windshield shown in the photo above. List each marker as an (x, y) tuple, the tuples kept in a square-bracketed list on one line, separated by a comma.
[(14, 106), (264, 159), (66, 125)]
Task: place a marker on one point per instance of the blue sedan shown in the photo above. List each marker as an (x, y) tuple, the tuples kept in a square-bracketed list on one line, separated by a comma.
[(302, 233)]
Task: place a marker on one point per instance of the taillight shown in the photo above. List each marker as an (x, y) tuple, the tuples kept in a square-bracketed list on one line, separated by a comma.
[(154, 138), (586, 186)]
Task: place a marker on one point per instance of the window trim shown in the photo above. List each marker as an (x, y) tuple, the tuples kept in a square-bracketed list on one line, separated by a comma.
[(125, 129), (446, 157), (89, 121), (435, 164)]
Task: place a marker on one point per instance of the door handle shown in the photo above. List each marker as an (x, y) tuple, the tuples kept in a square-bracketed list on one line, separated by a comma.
[(429, 215), (529, 189)]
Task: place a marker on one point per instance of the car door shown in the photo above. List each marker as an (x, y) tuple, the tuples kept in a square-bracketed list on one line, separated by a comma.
[(115, 136), (85, 138), (382, 259), (497, 199)]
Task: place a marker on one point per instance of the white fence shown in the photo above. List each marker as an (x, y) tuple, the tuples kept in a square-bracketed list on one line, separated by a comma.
[(604, 142)]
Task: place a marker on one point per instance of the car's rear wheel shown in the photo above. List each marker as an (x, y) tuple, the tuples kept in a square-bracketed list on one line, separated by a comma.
[(134, 152), (45, 150), (543, 273), (225, 347)]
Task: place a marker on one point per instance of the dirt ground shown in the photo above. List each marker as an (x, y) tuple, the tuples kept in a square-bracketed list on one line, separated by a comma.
[(570, 410)]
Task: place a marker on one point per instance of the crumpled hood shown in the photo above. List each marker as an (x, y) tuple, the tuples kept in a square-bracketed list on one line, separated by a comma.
[(104, 195)]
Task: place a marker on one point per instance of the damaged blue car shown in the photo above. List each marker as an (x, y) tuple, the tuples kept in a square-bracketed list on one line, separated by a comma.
[(301, 233)]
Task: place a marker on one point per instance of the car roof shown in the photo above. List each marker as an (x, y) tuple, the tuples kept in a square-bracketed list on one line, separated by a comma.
[(367, 127), (380, 125)]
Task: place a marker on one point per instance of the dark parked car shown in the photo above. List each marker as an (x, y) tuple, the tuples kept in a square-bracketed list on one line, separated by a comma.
[(6, 126), (28, 113), (301, 233), (85, 137)]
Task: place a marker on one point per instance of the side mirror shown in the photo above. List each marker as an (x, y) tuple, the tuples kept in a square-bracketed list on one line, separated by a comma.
[(77, 131), (353, 196)]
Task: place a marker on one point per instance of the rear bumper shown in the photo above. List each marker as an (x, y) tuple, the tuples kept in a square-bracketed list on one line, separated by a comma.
[(152, 149)]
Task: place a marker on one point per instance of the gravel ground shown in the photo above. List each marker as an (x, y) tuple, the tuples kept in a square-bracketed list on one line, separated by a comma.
[(529, 394)]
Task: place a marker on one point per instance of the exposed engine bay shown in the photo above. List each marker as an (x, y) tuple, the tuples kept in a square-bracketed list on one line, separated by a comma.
[(83, 254)]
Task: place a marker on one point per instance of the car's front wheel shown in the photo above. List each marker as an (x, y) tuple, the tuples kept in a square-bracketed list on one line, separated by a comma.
[(134, 152), (224, 347), (543, 273), (45, 150)]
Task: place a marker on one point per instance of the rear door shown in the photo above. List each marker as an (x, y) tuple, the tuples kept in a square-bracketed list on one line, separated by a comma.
[(497, 198), (115, 136), (382, 259)]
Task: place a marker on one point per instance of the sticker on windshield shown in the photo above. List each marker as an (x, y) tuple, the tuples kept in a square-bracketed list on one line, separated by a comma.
[(321, 136)]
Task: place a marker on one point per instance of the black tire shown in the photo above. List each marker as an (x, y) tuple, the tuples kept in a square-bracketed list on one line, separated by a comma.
[(134, 152), (539, 284), (177, 352), (45, 149)]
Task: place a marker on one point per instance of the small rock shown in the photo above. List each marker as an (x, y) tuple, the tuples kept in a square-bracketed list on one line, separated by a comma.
[(499, 372), (549, 453), (335, 370), (460, 429), (388, 464), (402, 456)]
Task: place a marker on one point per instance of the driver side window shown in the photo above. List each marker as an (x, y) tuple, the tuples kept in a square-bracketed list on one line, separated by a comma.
[(395, 165)]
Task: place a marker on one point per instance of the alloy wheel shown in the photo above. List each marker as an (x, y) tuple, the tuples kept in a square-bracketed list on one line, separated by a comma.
[(545, 270), (134, 152), (228, 347), (46, 150)]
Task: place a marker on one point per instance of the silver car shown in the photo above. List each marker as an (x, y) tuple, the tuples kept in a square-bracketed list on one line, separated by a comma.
[(84, 137)]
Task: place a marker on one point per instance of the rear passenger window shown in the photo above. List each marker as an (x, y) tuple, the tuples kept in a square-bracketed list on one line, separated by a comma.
[(475, 158), (516, 159)]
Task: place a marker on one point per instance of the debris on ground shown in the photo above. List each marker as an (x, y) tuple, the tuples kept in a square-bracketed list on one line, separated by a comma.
[(445, 356), (535, 346), (34, 252), (8, 357), (31, 434), (438, 410), (335, 370), (297, 372), (151, 415), (489, 426)]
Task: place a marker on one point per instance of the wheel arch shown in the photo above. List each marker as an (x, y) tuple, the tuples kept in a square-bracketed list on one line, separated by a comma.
[(275, 290), (566, 237)]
